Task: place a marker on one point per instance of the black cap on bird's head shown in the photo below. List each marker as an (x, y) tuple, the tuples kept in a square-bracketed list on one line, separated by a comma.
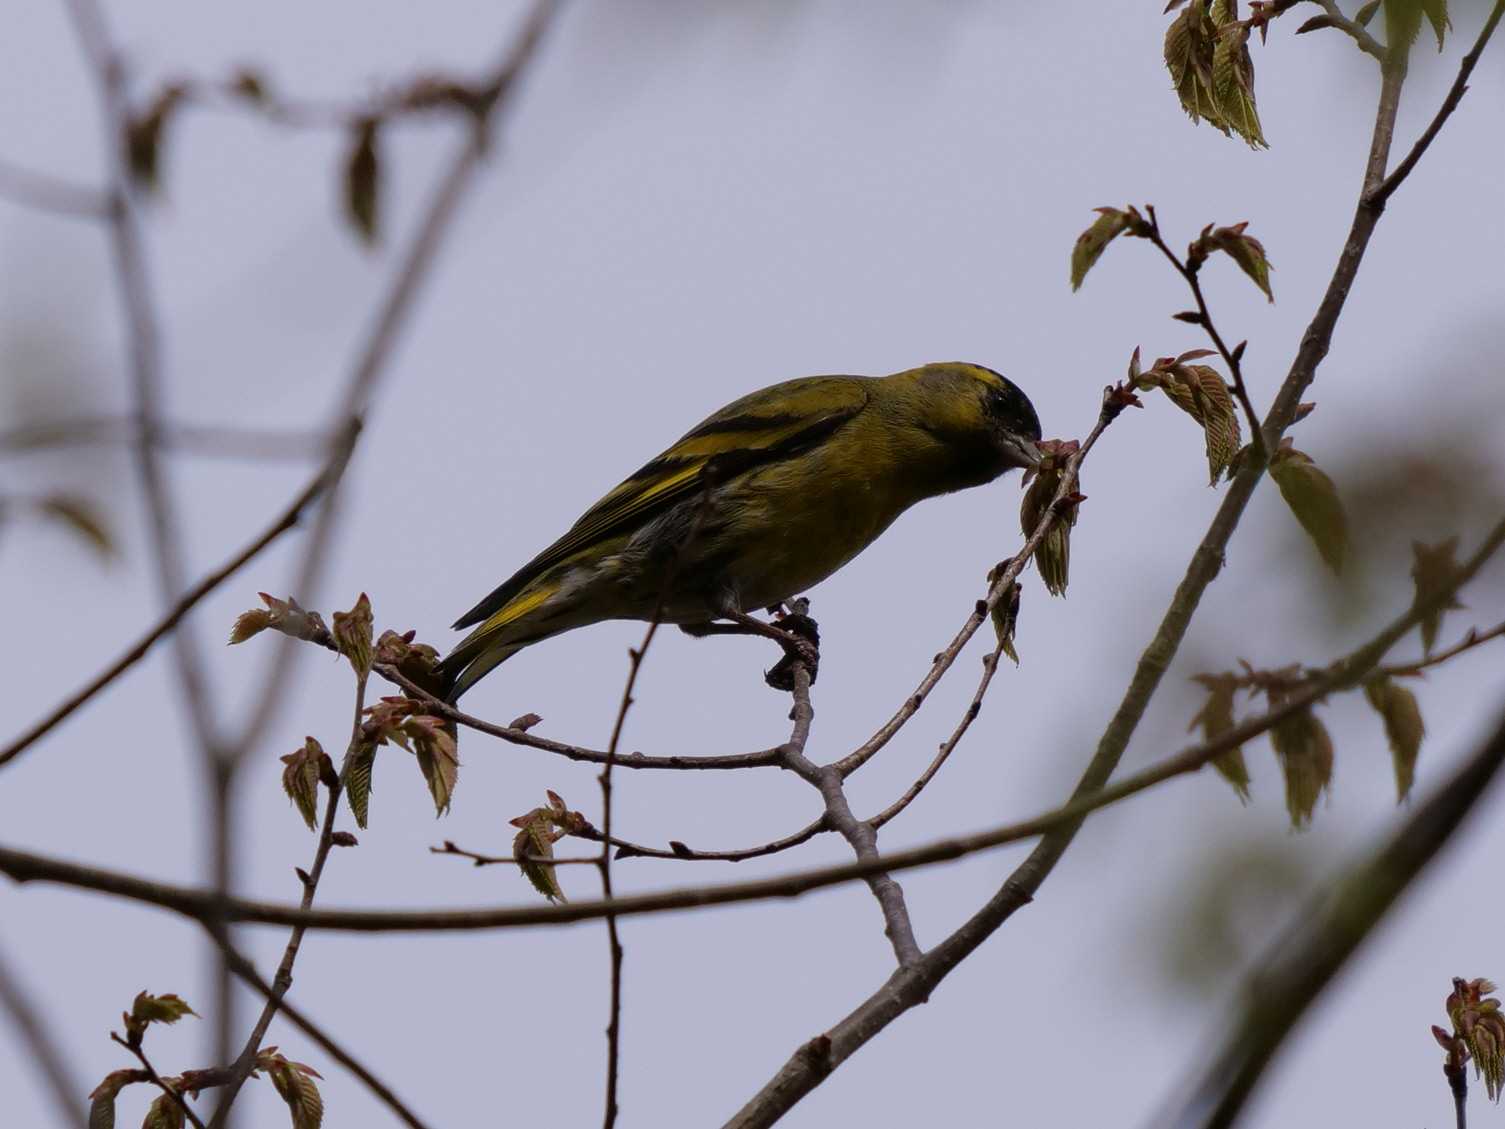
[(995, 406)]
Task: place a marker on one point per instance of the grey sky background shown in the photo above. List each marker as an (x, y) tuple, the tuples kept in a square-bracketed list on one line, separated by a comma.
[(691, 200)]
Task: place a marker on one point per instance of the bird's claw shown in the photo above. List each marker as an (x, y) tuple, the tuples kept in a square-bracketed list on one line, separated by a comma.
[(801, 646)]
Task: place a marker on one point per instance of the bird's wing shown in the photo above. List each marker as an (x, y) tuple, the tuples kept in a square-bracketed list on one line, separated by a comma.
[(774, 423)]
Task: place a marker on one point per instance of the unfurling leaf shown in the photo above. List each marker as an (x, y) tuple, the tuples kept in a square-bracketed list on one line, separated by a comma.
[(287, 617), (1201, 393), (249, 624), (1090, 245), (1306, 759), (1437, 16), (1245, 250), (300, 779), (1216, 718), (1402, 23), (1404, 728), (357, 769), (165, 1113), (1479, 1024), (1005, 614), (1366, 13), (438, 758), (1316, 23), (79, 515), (536, 841), (352, 634), (1053, 556), (102, 1097), (524, 723), (362, 180), (144, 136), (1207, 54), (167, 1008), (1434, 569), (294, 1081), (1233, 83), (1314, 500)]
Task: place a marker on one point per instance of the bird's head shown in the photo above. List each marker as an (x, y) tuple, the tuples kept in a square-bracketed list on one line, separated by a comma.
[(977, 410)]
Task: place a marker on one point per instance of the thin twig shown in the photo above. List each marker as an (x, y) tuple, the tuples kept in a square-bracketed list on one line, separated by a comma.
[(1230, 358), (245, 1062), (1377, 197), (157, 1080), (1002, 582), (449, 848), (1353, 29), (206, 440), (247, 972), (1436, 658), (989, 668), (44, 193), (285, 521), (678, 850), (42, 1047)]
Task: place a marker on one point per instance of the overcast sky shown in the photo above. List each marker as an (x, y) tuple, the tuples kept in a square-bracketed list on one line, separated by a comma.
[(689, 201)]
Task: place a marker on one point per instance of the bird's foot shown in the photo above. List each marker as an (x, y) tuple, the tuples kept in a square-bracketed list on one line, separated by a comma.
[(801, 643)]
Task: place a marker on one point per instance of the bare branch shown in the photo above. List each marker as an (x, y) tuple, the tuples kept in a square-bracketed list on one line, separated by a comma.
[(206, 440), (1376, 198), (247, 972), (287, 520), (44, 1050), (45, 193), (1354, 30)]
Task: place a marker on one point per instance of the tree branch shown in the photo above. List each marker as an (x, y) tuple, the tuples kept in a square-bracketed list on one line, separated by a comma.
[(287, 520), (45, 1052), (1335, 923), (45, 193)]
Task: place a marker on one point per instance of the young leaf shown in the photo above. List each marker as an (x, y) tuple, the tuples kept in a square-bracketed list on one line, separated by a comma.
[(1201, 393), (357, 770), (165, 1113), (1306, 759), (1233, 84), (536, 840), (1366, 13), (294, 1081), (1053, 556), (300, 779), (352, 634), (1402, 23), (1403, 728), (1189, 48), (1437, 16), (167, 1008), (1090, 245), (249, 624), (1433, 571), (1314, 500), (102, 1097), (438, 758), (1005, 617), (1216, 718), (79, 515), (362, 180), (1245, 250)]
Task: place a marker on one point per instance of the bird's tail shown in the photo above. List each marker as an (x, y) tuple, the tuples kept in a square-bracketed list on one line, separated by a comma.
[(471, 661)]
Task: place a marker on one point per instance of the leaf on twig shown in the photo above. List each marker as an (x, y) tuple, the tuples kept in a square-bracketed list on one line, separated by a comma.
[(1313, 498), (165, 1113), (539, 830), (1404, 728), (1434, 570), (280, 615), (362, 181), (1305, 750), (1201, 393), (1005, 614), (1053, 555), (1215, 718), (1366, 13), (1207, 55), (102, 1097), (1402, 23), (79, 515), (359, 763), (438, 757), (1090, 245), (1233, 82), (1245, 250), (300, 779), (352, 634), (294, 1082)]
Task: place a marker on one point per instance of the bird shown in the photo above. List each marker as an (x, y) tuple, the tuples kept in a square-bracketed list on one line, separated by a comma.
[(762, 500)]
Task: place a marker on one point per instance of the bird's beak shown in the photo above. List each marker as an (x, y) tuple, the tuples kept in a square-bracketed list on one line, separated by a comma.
[(1025, 453)]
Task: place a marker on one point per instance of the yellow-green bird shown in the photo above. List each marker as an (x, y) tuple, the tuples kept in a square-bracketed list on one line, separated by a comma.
[(767, 497)]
